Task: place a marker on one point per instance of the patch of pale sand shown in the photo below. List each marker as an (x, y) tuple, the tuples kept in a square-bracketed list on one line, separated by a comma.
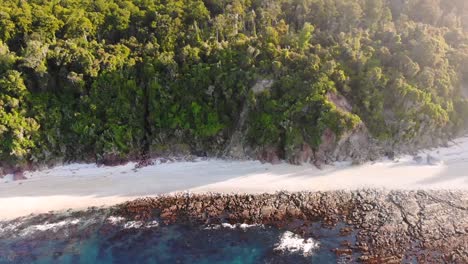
[(21, 206), (79, 186)]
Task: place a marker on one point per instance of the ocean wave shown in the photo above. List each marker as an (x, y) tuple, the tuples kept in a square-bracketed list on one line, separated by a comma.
[(8, 227), (118, 220), (115, 220), (152, 224), (290, 242), (140, 224), (242, 226), (54, 227), (133, 224)]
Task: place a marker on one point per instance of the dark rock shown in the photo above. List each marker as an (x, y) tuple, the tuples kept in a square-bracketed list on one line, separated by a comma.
[(19, 176), (200, 153), (144, 163), (418, 159), (390, 155), (266, 211), (303, 155), (270, 155), (389, 226), (113, 160), (328, 145), (431, 160), (346, 243), (342, 251), (345, 231)]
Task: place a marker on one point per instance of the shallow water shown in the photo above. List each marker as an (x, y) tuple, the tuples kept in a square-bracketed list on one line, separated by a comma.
[(96, 237)]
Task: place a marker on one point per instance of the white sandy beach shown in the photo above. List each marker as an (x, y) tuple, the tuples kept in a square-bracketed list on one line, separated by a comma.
[(79, 186)]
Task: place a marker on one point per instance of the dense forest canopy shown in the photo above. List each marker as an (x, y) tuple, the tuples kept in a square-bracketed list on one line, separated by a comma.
[(96, 80)]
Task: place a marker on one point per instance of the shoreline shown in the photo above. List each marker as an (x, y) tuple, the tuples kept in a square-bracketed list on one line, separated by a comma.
[(372, 226), (78, 186), (388, 226)]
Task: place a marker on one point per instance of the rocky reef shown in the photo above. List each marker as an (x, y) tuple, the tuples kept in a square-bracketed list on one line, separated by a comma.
[(389, 226)]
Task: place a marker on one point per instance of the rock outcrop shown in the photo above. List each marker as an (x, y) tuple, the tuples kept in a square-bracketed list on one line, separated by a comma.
[(19, 176), (237, 147), (304, 154), (388, 226), (355, 144), (270, 155)]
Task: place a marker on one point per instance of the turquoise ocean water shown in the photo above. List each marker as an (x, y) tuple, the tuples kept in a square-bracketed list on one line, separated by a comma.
[(97, 237)]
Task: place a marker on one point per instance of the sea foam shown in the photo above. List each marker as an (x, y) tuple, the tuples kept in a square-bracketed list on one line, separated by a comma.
[(290, 242), (242, 226), (53, 227)]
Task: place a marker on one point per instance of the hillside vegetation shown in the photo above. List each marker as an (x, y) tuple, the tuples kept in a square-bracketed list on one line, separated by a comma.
[(95, 80)]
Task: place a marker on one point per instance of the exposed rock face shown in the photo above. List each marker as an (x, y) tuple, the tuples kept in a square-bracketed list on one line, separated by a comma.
[(464, 90), (389, 226), (355, 144), (17, 170), (236, 147), (418, 159), (270, 155), (19, 176), (113, 160), (304, 155), (324, 153), (340, 102), (428, 137), (262, 85)]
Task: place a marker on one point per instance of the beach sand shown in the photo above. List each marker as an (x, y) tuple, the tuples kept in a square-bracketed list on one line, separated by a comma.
[(78, 186)]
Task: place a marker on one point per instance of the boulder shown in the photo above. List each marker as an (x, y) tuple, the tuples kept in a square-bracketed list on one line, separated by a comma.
[(390, 155), (270, 155), (326, 148), (19, 176), (111, 159), (431, 160), (302, 155), (354, 144), (418, 159)]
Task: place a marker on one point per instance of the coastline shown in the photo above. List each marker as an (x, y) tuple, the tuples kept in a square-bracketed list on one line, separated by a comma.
[(388, 226), (360, 226), (78, 186)]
